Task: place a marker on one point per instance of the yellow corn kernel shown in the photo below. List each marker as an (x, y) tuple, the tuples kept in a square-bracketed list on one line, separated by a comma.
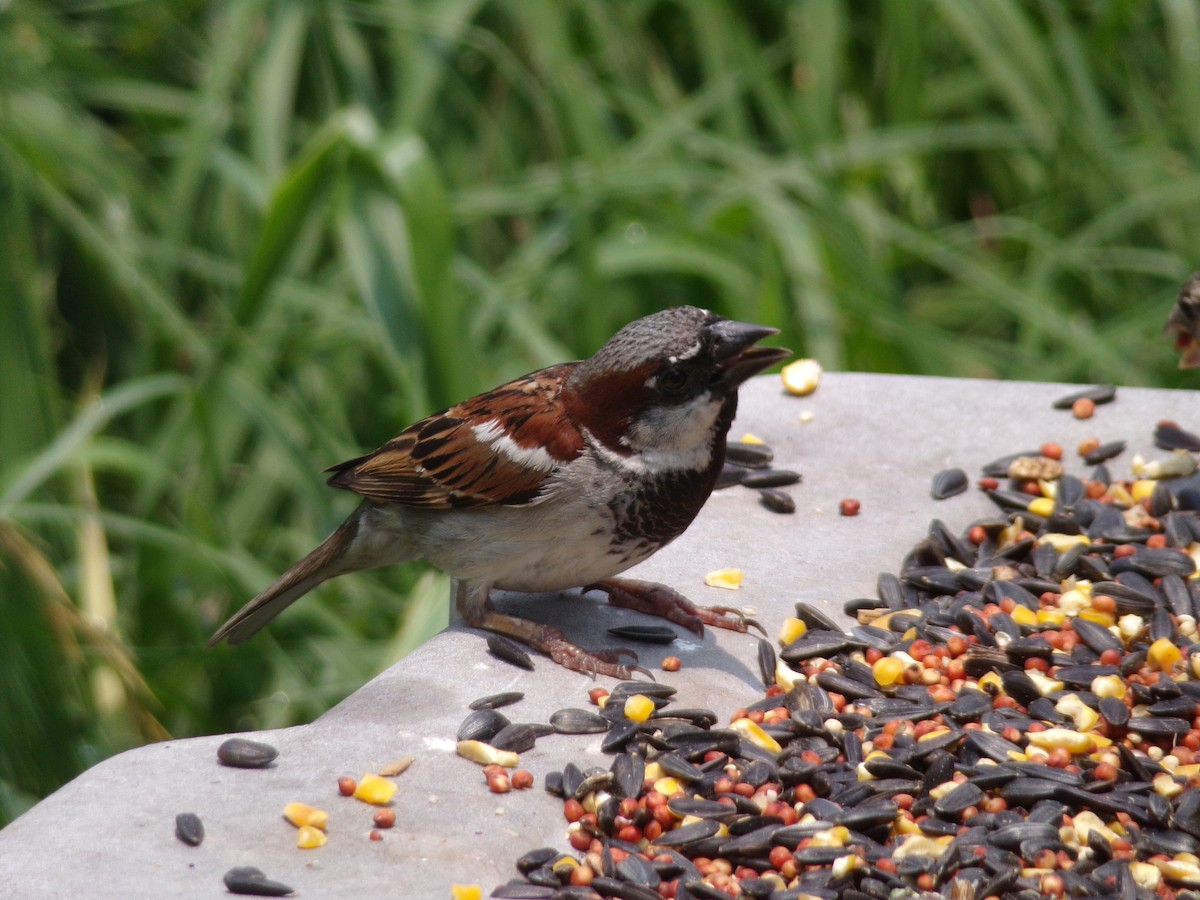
[(1119, 496), (1045, 684), (1086, 822), (793, 629), (1179, 869), (1141, 490), (563, 865), (753, 732), (1042, 507), (639, 707), (301, 814), (1061, 542), (654, 771), (1109, 686), (1053, 738), (1024, 616), (477, 751), (1166, 786), (837, 836), (933, 735), (309, 837), (1164, 655), (991, 683), (1084, 717), (1100, 618), (1145, 875), (1009, 534), (901, 825), (787, 677), (1074, 601), (844, 865), (920, 845), (937, 792), (376, 790), (888, 670), (1051, 617), (728, 579), (800, 378), (749, 438), (466, 892), (668, 786), (1129, 627)]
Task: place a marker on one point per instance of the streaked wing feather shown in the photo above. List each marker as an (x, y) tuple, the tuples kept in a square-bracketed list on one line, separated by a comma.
[(459, 458)]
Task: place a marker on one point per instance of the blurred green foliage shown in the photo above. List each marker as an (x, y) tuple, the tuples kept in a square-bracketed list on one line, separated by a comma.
[(243, 239)]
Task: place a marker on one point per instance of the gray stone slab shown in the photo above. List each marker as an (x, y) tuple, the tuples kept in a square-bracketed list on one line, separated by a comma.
[(877, 438)]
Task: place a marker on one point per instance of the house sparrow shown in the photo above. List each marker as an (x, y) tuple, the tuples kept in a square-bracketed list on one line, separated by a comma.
[(1184, 322), (563, 478)]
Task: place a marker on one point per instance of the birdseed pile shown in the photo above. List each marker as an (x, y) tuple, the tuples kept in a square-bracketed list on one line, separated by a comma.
[(1013, 716)]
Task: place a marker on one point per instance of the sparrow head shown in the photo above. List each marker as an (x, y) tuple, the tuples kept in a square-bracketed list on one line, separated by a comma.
[(1184, 323), (664, 387)]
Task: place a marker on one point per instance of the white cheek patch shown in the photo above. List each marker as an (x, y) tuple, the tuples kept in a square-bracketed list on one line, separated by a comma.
[(491, 434), (668, 439)]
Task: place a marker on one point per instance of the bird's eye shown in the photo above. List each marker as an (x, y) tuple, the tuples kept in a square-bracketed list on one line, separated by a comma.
[(673, 381)]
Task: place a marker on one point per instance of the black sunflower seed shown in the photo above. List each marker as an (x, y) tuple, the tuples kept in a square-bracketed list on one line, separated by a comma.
[(1169, 436), (1104, 453), (241, 753), (578, 721), (730, 475), (482, 725), (647, 634), (1156, 726), (628, 771), (766, 661), (816, 643), (249, 880), (948, 483), (509, 651), (496, 701), (189, 829), (688, 834), (1115, 712), (517, 737), (771, 478), (751, 456), (776, 500), (619, 735), (535, 859), (1101, 393)]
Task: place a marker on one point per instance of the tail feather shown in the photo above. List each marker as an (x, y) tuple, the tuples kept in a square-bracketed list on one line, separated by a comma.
[(325, 562)]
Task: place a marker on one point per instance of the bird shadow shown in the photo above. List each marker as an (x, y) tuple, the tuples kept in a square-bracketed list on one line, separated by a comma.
[(585, 619)]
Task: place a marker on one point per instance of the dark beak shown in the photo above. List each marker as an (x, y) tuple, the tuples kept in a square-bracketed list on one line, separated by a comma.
[(737, 357)]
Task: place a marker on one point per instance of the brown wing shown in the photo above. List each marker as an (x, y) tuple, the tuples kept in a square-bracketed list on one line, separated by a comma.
[(464, 457)]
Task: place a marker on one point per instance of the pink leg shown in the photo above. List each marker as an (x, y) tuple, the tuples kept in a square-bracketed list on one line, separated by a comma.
[(667, 603), (477, 610)]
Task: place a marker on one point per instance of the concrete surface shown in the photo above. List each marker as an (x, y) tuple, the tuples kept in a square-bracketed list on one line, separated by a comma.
[(880, 439)]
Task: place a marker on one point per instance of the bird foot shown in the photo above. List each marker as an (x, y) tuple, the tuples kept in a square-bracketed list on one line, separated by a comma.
[(554, 643), (656, 599)]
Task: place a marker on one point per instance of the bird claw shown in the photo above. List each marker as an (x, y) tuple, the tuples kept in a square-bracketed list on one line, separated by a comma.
[(595, 662), (667, 603), (729, 618)]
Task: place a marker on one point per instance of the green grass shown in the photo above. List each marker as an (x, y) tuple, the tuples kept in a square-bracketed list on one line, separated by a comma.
[(243, 240)]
